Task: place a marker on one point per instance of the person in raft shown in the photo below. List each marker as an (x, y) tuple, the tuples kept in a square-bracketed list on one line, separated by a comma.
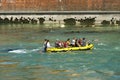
[(46, 45), (67, 43), (73, 42), (83, 41)]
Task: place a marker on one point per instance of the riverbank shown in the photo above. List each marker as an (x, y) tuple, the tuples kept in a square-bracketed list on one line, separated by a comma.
[(54, 18)]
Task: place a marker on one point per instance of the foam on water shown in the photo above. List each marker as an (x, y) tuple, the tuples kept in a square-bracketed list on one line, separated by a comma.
[(20, 51), (102, 44), (117, 48)]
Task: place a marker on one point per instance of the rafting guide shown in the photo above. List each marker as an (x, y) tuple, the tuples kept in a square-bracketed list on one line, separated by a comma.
[(46, 45)]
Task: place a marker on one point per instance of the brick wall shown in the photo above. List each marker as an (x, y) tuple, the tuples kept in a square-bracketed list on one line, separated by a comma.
[(58, 5)]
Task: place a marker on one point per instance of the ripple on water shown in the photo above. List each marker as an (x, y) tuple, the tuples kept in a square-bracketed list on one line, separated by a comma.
[(116, 75), (102, 44), (8, 64), (4, 62), (117, 48)]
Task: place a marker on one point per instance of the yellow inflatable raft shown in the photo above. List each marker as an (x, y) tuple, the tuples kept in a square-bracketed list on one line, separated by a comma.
[(87, 47)]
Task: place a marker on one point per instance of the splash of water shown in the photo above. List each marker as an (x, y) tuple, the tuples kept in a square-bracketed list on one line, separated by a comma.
[(22, 51)]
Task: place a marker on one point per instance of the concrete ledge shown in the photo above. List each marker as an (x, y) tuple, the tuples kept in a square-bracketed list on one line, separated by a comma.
[(56, 12)]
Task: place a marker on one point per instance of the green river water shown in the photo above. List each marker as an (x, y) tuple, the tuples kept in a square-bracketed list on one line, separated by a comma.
[(21, 56)]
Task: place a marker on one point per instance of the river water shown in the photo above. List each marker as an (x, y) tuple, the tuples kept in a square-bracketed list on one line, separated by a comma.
[(21, 56)]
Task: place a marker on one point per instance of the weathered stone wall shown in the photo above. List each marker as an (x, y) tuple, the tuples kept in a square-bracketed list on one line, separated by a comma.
[(59, 5)]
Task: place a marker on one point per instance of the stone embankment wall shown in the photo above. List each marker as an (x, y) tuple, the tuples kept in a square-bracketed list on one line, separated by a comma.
[(59, 18)]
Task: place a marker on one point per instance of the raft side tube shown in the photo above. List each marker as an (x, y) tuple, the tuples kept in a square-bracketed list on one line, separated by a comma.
[(81, 48)]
